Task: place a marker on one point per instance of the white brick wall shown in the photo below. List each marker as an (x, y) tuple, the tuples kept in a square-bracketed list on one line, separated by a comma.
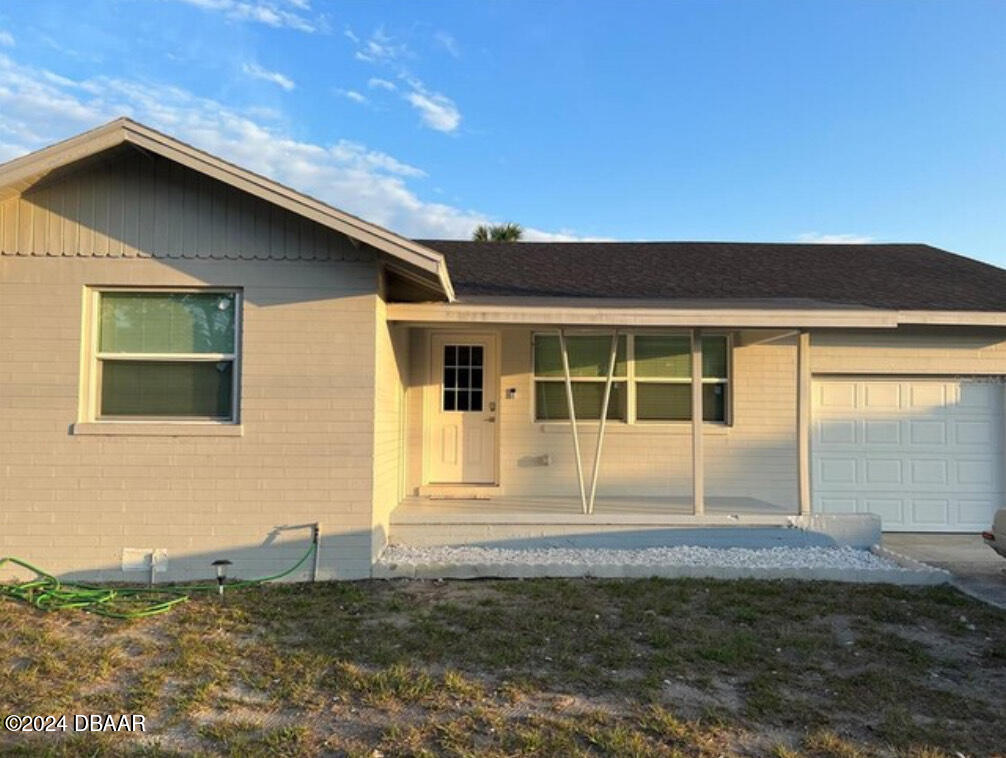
[(391, 367), (71, 502)]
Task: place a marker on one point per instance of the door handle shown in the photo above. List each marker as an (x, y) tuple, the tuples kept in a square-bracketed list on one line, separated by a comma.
[(491, 419)]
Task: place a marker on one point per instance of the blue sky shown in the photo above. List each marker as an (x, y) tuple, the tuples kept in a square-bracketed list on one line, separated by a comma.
[(750, 120)]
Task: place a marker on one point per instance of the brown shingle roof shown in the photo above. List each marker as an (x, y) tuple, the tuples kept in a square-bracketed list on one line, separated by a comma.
[(898, 276)]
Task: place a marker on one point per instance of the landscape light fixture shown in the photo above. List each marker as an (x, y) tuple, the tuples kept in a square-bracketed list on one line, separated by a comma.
[(221, 565)]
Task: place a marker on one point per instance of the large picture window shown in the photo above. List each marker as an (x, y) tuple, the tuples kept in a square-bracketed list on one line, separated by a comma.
[(166, 355), (652, 381)]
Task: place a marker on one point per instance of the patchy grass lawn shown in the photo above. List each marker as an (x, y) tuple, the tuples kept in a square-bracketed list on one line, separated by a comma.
[(545, 667)]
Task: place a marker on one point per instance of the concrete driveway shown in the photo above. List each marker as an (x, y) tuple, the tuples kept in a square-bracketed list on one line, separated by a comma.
[(977, 569)]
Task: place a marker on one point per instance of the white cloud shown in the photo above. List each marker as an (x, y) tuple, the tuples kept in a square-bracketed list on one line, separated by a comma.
[(378, 48), (352, 94), (38, 107), (437, 111), (6, 38), (268, 12), (349, 152), (257, 72), (449, 43), (834, 239)]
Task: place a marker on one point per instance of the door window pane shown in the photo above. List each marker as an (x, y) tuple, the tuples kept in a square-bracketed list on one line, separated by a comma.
[(167, 322), (588, 355), (463, 377), (550, 401), (166, 388)]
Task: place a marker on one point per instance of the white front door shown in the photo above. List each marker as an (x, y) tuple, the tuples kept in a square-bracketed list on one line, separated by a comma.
[(462, 433), (923, 454)]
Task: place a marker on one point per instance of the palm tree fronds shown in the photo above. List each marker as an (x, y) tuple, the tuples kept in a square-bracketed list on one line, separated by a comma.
[(508, 232)]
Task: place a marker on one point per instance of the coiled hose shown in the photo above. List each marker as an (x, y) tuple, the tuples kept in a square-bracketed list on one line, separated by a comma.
[(48, 593)]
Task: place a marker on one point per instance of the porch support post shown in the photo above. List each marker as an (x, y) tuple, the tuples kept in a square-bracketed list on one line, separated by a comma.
[(572, 419), (698, 469), (604, 420), (803, 403)]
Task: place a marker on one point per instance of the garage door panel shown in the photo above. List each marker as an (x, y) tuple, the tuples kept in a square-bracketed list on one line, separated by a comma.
[(882, 396), (927, 432), (930, 512), (931, 396), (837, 432), (976, 433), (837, 395), (923, 454), (974, 513), (928, 472), (884, 471), (976, 395), (834, 471), (882, 432), (891, 510), (974, 472)]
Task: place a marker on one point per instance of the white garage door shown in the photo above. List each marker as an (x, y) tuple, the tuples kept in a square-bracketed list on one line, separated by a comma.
[(923, 454)]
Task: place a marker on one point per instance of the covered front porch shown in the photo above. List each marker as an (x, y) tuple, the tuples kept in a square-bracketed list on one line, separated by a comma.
[(580, 420)]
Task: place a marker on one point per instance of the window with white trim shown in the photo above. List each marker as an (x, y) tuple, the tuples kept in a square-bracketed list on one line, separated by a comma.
[(663, 377), (165, 355), (652, 380), (589, 356)]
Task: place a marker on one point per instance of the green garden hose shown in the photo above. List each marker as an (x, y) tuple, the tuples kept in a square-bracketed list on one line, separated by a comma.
[(48, 593)]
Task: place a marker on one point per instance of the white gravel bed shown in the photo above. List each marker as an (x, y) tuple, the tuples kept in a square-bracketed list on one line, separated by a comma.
[(841, 558)]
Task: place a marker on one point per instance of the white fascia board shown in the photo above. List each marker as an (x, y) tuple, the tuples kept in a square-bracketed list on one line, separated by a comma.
[(583, 316), (953, 318)]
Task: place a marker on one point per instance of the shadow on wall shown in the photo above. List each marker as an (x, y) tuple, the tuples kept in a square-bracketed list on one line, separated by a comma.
[(280, 551)]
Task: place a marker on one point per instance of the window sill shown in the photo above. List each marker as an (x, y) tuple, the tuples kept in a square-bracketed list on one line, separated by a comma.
[(618, 427), (157, 429)]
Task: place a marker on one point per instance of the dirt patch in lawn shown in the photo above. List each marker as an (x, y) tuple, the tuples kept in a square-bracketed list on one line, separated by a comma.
[(543, 667)]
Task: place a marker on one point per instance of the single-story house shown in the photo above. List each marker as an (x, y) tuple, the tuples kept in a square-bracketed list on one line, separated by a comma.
[(197, 362)]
